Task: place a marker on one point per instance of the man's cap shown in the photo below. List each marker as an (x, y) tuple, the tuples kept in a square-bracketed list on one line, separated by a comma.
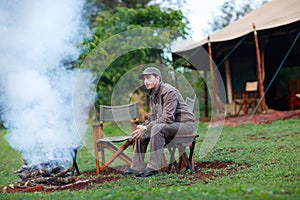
[(149, 71)]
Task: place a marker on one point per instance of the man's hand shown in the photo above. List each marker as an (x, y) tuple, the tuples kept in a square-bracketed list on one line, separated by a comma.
[(140, 130)]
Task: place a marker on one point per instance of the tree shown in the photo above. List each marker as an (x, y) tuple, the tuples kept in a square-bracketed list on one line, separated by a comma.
[(110, 23), (231, 11), (94, 7)]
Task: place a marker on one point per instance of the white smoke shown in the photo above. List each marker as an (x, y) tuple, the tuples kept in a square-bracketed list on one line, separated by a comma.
[(36, 91)]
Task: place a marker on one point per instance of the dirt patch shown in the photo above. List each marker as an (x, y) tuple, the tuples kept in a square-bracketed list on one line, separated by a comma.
[(295, 135), (258, 118), (257, 149), (259, 136), (90, 179), (204, 171), (232, 150)]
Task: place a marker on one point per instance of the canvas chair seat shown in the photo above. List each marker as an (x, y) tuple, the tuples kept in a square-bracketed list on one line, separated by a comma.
[(115, 139)]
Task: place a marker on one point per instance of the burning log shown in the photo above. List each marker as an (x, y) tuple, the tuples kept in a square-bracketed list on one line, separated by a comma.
[(44, 175), (51, 181), (28, 189)]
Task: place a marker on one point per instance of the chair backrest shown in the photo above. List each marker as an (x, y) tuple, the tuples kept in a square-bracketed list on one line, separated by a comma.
[(294, 86), (120, 113), (251, 86), (191, 103)]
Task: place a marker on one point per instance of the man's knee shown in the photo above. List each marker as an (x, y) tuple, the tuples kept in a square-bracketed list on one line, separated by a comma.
[(157, 130)]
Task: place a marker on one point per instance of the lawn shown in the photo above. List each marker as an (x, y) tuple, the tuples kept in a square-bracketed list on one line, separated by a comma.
[(271, 152)]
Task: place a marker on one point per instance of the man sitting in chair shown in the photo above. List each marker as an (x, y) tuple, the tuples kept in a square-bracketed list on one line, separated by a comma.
[(169, 115)]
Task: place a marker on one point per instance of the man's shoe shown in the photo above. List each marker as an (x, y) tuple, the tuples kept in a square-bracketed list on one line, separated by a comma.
[(147, 173), (129, 171)]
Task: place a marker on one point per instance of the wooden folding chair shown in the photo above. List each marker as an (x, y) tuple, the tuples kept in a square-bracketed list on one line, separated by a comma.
[(293, 89), (181, 142), (246, 100), (117, 115)]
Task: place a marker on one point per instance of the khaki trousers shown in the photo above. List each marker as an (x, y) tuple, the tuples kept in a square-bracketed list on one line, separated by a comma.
[(156, 136)]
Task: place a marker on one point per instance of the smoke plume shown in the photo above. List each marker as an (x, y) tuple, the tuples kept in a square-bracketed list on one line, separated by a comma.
[(36, 89)]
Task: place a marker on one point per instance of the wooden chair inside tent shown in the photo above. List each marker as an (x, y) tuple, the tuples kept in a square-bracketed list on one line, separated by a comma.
[(246, 100), (293, 90), (117, 114)]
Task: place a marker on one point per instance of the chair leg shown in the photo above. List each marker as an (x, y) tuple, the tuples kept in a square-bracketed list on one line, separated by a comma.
[(97, 132), (189, 165), (238, 108), (118, 152), (97, 160), (184, 157), (245, 108), (172, 160), (102, 156), (191, 156), (163, 161), (234, 108), (182, 161), (75, 163)]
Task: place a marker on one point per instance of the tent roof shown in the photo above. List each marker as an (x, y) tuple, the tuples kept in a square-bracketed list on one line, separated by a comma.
[(272, 14)]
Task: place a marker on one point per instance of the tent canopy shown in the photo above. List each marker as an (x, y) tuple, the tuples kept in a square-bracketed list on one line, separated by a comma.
[(272, 14)]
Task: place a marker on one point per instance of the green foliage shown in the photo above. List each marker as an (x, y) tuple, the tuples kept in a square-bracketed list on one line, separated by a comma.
[(271, 152), (109, 48), (95, 6), (110, 23)]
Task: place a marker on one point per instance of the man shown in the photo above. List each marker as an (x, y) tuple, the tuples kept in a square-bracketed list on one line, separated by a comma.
[(168, 116)]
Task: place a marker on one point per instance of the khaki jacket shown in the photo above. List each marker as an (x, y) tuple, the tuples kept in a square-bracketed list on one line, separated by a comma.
[(167, 106)]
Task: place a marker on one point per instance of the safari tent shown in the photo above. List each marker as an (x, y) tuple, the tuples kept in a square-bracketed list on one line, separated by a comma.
[(263, 46)]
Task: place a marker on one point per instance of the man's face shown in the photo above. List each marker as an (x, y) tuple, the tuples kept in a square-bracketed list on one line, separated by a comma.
[(151, 81)]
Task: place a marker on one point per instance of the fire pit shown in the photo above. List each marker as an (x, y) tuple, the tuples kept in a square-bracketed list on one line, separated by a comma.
[(47, 175)]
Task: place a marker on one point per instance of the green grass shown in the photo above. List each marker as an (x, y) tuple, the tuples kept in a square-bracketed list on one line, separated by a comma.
[(272, 151)]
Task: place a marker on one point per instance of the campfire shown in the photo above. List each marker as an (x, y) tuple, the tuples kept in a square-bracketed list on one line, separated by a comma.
[(47, 175)]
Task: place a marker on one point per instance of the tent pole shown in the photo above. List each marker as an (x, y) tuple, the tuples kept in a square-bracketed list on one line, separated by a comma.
[(205, 99), (212, 76), (259, 71), (228, 81)]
